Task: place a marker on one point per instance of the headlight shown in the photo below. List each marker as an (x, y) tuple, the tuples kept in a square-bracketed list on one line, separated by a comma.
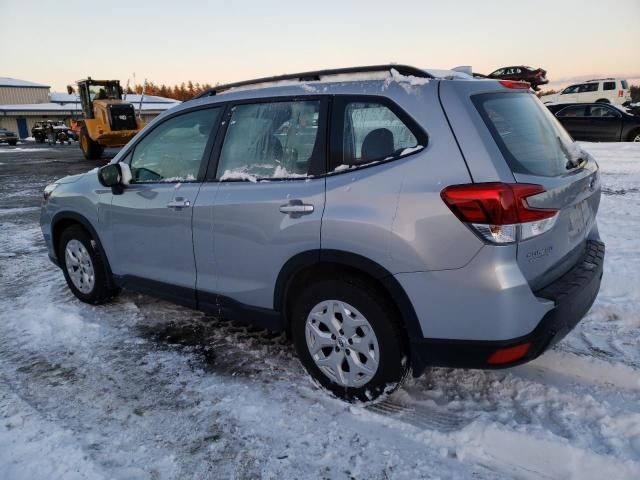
[(48, 190)]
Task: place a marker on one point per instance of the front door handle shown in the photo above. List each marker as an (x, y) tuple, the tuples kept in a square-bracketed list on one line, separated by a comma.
[(295, 208), (179, 202)]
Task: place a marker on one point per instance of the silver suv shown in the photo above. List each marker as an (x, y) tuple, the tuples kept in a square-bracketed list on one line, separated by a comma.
[(388, 218)]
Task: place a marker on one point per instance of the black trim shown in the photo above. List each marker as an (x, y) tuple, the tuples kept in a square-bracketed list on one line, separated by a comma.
[(315, 76), (573, 294), (204, 301), (318, 258), (336, 142)]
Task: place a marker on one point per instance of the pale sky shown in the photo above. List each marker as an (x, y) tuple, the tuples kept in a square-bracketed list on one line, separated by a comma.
[(58, 42)]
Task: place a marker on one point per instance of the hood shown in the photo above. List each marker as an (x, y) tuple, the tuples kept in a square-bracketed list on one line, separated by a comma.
[(74, 178)]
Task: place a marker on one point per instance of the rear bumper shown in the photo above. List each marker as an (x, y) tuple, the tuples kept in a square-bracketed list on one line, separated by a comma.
[(572, 294)]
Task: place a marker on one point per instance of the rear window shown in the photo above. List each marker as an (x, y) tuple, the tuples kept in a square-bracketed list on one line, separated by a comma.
[(624, 83), (528, 135)]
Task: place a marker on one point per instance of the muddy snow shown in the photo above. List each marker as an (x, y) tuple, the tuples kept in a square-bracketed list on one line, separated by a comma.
[(142, 389)]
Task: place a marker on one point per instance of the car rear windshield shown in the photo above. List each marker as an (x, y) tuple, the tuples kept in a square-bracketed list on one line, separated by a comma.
[(625, 85), (528, 135)]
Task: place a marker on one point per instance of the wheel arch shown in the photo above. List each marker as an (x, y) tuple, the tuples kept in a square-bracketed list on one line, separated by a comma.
[(63, 220), (329, 261)]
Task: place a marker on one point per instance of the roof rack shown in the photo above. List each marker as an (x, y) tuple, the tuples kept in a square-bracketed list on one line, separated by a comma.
[(600, 79), (315, 76)]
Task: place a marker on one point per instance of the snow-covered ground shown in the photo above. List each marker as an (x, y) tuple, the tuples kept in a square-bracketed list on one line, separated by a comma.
[(144, 389)]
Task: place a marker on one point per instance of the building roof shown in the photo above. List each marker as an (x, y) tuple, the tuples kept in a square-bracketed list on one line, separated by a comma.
[(65, 108), (60, 97), (14, 82)]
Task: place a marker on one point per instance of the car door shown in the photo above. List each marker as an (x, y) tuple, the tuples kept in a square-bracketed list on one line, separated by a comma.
[(588, 92), (604, 123), (269, 199), (573, 119), (569, 94), (150, 221)]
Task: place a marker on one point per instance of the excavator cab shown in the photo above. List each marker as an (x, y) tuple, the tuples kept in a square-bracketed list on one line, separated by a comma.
[(108, 120)]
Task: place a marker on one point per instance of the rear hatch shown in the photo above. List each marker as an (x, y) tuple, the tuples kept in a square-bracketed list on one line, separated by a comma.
[(539, 151)]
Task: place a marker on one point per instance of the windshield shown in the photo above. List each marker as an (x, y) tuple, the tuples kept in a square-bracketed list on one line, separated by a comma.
[(528, 135), (104, 92)]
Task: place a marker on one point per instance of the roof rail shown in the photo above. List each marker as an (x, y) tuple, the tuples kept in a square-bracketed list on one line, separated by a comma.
[(600, 79), (315, 76)]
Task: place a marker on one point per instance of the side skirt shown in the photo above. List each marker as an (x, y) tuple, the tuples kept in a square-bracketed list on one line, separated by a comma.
[(222, 306)]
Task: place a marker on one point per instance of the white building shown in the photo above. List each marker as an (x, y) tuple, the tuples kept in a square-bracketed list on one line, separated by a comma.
[(23, 103)]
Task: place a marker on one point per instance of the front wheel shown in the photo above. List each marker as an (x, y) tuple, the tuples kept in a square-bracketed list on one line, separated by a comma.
[(349, 339), (91, 150), (83, 267)]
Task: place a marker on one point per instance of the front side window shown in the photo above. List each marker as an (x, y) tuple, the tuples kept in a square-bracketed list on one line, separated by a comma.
[(571, 89), (609, 86), (173, 151), (271, 140), (372, 132), (575, 111), (498, 72)]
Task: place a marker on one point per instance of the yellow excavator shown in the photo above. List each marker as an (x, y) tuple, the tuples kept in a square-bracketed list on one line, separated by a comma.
[(108, 120)]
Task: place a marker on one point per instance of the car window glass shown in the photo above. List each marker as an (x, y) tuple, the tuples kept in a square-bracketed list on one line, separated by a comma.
[(373, 132), (571, 89), (574, 111), (270, 140), (624, 84), (609, 86), (588, 87), (498, 72), (602, 111), (172, 152)]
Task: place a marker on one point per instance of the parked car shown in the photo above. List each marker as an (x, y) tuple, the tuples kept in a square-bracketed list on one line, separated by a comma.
[(431, 221), (7, 136), (535, 77), (598, 122), (605, 90)]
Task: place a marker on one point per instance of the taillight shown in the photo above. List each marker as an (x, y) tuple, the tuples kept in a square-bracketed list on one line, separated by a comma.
[(621, 93), (499, 212), (514, 84)]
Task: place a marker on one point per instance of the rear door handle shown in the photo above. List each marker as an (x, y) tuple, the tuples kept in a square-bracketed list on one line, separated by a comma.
[(295, 208), (179, 202)]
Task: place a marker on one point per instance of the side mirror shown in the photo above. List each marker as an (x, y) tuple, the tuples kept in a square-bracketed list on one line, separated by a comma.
[(110, 175), (70, 90)]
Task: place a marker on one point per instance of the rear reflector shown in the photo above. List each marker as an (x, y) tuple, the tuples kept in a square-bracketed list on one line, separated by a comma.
[(514, 84), (508, 355), (498, 211)]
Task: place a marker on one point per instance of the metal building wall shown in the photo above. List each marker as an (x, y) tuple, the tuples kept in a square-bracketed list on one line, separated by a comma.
[(21, 95)]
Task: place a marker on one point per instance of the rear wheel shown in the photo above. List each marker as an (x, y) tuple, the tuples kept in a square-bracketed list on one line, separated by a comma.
[(91, 150), (634, 136), (83, 267), (602, 100), (13, 143), (349, 339)]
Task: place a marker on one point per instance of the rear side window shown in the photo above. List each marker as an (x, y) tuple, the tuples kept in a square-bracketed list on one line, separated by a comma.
[(528, 135), (603, 111), (609, 86), (271, 140)]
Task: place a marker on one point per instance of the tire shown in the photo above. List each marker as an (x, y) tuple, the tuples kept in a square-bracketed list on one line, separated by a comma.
[(602, 100), (91, 150), (353, 300), (634, 136), (87, 275), (13, 143)]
